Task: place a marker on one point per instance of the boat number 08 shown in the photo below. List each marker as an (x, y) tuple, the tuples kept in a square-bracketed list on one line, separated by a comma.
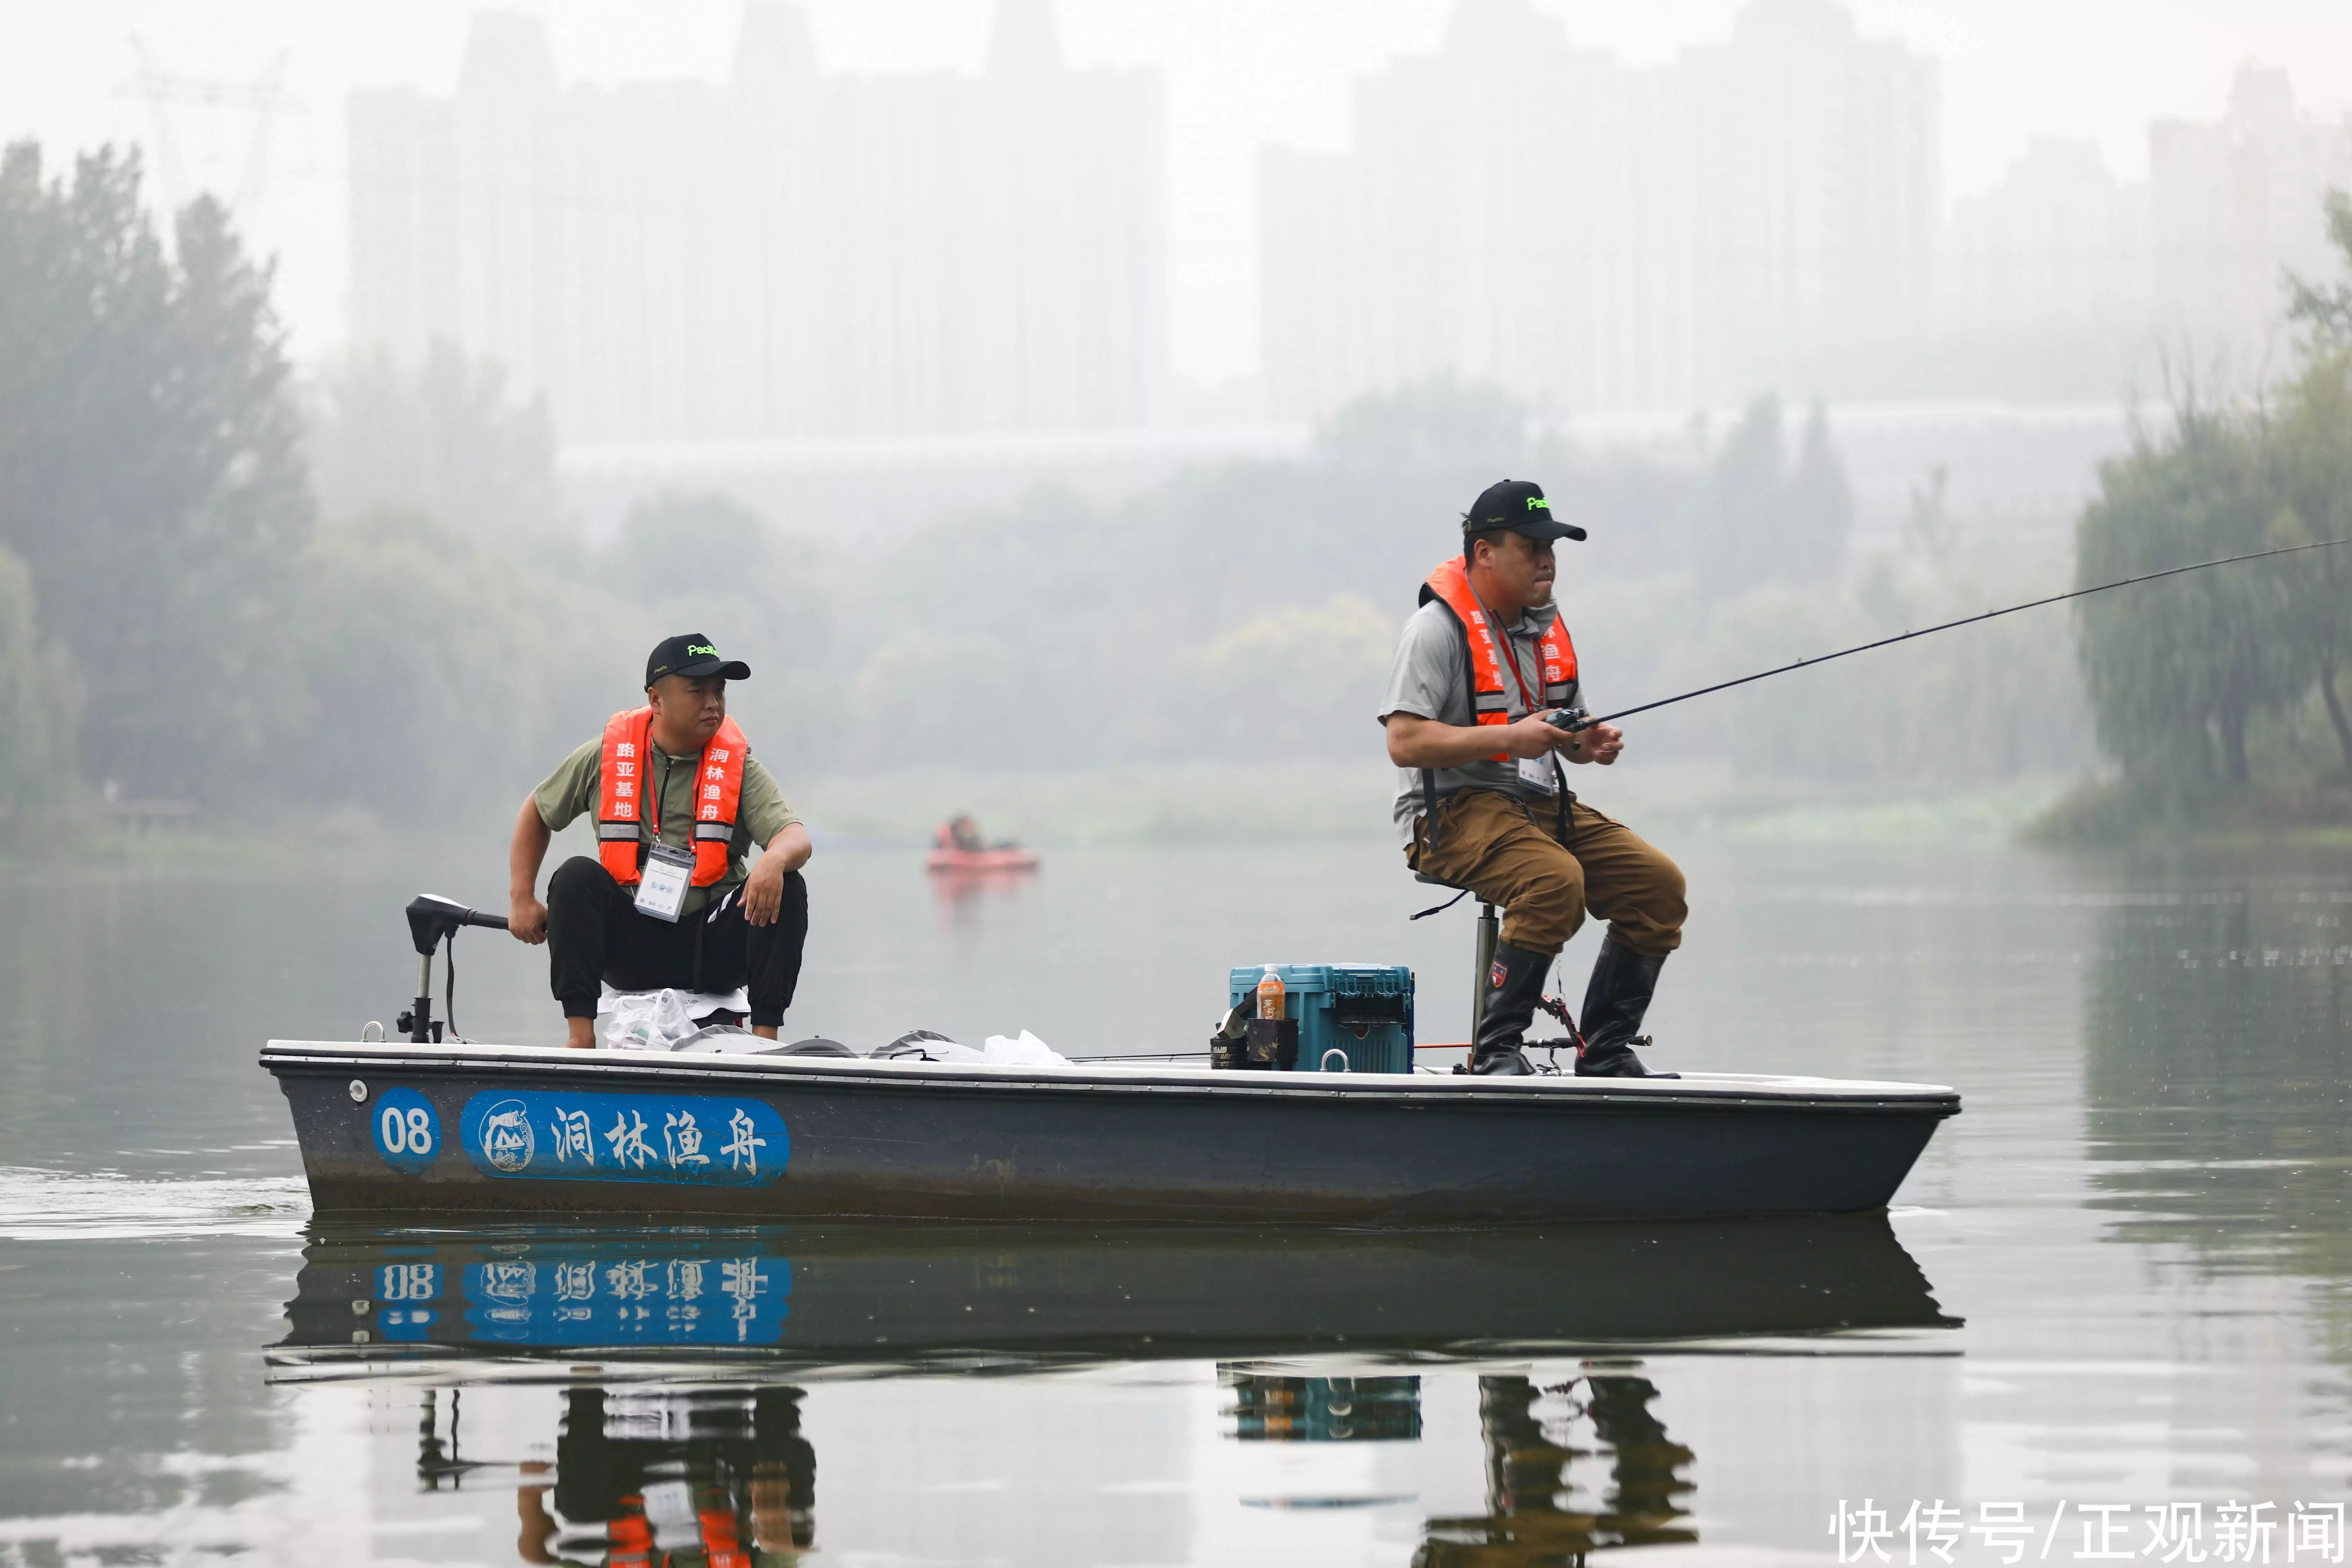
[(407, 1130), (402, 1134)]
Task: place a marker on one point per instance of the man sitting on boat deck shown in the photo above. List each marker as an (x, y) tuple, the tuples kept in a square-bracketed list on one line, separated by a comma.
[(1485, 804), (670, 899)]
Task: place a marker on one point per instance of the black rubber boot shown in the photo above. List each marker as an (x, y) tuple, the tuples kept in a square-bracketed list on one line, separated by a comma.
[(1514, 987), (1623, 983)]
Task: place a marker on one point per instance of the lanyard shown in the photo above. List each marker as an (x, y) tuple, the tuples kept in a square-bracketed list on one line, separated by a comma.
[(1510, 655), (668, 762)]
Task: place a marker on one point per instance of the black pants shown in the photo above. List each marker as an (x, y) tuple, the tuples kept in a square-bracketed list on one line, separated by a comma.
[(595, 934)]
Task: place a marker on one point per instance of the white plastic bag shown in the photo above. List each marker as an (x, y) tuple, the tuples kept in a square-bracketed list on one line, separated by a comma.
[(1028, 1051), (647, 1021)]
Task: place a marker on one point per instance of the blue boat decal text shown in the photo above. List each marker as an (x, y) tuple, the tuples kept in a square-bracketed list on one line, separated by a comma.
[(407, 1130), (707, 1140), (620, 1300)]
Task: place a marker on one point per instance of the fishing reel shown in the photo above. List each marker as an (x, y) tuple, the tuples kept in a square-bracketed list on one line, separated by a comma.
[(1572, 719)]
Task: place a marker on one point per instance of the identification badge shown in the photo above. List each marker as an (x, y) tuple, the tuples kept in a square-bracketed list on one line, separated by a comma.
[(1540, 772), (661, 886)]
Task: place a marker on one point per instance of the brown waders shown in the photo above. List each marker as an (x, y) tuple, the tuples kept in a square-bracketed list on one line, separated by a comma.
[(1545, 873)]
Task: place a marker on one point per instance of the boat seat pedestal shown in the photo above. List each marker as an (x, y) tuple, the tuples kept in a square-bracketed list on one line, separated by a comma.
[(1489, 933)]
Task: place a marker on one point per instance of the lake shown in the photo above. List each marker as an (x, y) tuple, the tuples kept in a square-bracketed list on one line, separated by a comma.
[(2109, 1308)]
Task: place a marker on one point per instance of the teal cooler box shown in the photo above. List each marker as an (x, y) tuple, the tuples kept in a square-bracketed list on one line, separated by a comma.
[(1364, 1010)]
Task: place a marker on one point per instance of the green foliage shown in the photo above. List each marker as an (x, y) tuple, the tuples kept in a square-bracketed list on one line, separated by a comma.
[(702, 563), (1971, 708), (2176, 669), (1290, 681), (2195, 679), (1248, 612), (2311, 447), (1757, 520), (428, 654), (2327, 309), (442, 678), (149, 471)]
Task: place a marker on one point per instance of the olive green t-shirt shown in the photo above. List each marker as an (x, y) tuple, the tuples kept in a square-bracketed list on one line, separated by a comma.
[(570, 794)]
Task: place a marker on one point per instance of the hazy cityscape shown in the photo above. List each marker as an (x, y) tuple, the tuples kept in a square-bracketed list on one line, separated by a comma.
[(674, 261), (864, 322), (770, 282)]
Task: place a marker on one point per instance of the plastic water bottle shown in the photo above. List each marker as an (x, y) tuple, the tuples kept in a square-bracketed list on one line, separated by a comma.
[(1270, 1001)]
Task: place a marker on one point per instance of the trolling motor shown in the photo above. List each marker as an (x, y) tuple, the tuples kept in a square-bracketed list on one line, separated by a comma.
[(432, 920)]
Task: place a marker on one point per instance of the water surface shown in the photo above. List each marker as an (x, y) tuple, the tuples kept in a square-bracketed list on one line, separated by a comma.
[(2119, 1278)]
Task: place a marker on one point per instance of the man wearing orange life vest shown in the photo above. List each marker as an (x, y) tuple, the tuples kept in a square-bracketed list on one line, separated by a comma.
[(1484, 803), (671, 897)]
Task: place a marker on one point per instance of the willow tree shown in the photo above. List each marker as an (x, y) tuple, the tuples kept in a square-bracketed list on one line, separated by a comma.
[(2313, 447), (2177, 671)]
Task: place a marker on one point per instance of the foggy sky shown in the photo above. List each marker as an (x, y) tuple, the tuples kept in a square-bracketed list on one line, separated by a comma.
[(1240, 73)]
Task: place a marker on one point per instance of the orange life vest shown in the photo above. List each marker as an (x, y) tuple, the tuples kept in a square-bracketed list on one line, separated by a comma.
[(628, 807), (630, 1537), (1489, 702), (722, 1547), (631, 1542)]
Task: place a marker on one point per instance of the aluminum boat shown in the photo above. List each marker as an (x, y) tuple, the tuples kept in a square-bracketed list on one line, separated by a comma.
[(524, 1133)]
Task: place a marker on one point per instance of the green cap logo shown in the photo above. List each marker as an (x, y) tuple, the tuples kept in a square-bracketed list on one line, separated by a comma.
[(1535, 502), (702, 647)]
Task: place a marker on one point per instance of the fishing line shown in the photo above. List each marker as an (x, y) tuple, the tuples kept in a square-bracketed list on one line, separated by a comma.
[(1573, 722)]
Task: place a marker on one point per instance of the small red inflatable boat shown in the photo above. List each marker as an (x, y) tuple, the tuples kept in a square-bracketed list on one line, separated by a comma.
[(957, 846)]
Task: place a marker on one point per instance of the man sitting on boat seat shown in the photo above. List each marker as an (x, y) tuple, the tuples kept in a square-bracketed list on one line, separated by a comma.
[(670, 898), (1485, 804)]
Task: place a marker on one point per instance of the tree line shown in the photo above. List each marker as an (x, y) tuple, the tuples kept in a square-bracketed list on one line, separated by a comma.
[(285, 598)]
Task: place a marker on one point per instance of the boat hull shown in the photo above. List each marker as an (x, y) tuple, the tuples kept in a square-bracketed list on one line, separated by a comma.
[(855, 1139)]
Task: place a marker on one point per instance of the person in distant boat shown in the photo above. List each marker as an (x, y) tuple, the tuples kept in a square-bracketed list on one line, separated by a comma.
[(671, 897), (960, 833), (1485, 804)]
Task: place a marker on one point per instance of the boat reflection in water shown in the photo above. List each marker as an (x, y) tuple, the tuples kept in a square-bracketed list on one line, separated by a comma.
[(1538, 1510), (651, 1475), (681, 1433)]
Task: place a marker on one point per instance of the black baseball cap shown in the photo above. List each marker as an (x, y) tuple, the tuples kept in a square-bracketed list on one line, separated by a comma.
[(692, 657), (1520, 506)]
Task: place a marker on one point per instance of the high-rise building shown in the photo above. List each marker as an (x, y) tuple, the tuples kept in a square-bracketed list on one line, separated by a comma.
[(1503, 213), (2233, 206), (2043, 284), (1816, 160), (2060, 240), (1598, 237), (786, 253)]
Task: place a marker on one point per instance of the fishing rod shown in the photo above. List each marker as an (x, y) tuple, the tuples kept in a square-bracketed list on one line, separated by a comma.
[(1574, 720)]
